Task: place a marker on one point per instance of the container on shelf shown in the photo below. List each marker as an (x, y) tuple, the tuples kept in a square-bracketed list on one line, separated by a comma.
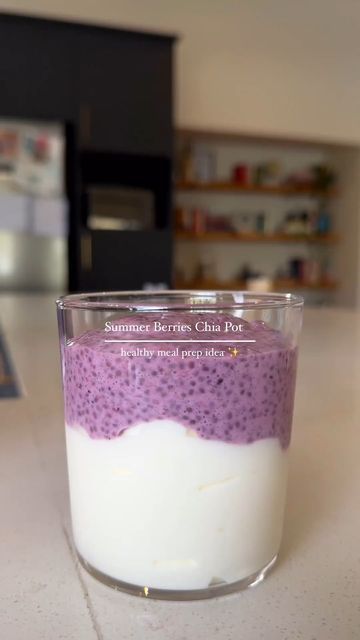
[(204, 164), (241, 174), (260, 284)]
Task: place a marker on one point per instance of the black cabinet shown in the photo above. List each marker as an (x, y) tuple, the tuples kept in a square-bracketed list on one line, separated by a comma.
[(125, 260), (115, 86), (38, 78), (126, 93), (112, 89)]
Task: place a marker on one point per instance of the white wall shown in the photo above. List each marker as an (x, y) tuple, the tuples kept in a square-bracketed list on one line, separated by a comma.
[(346, 206), (276, 67)]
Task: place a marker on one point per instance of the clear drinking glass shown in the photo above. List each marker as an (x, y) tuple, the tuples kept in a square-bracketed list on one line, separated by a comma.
[(178, 411)]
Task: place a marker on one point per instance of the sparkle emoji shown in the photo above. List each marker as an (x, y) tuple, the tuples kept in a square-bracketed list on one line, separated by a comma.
[(234, 352)]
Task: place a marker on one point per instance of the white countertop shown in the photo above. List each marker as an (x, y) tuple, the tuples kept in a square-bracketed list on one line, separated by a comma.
[(312, 594)]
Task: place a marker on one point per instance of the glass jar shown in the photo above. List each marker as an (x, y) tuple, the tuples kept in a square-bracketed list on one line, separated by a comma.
[(178, 411)]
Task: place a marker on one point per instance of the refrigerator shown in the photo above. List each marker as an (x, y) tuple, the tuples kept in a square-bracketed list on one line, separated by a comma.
[(33, 207)]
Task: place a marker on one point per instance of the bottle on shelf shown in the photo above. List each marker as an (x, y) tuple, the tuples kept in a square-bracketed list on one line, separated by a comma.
[(183, 219), (260, 223), (241, 174), (199, 221), (267, 174), (323, 222), (204, 164), (187, 164)]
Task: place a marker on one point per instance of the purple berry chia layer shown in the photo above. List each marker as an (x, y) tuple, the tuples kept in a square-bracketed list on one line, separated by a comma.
[(237, 398)]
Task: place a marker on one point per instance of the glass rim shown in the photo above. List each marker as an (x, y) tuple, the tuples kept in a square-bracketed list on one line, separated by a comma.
[(177, 300)]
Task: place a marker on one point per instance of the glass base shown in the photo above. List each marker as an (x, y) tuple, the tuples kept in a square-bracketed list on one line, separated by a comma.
[(213, 591)]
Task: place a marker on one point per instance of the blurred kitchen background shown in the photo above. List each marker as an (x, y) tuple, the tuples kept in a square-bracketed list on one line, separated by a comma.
[(175, 144)]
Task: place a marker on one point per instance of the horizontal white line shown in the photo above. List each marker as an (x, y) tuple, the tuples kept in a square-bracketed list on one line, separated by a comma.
[(170, 341)]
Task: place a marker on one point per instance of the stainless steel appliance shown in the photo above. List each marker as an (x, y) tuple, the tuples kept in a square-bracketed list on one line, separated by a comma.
[(33, 207)]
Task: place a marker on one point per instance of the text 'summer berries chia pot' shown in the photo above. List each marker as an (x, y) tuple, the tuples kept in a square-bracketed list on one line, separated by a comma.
[(178, 410)]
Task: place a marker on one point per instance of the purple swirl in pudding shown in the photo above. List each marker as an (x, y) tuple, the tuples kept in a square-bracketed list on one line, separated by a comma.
[(239, 397)]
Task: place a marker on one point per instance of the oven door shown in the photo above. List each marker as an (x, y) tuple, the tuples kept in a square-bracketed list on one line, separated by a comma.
[(120, 209)]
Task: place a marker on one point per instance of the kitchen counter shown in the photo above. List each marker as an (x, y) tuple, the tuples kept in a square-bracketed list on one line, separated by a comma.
[(313, 592)]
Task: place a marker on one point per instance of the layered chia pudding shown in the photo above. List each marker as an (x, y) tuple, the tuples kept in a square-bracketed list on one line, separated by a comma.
[(177, 450)]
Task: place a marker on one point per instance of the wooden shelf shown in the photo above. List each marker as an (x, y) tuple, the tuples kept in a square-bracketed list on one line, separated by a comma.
[(233, 187), (256, 137), (237, 285), (232, 236)]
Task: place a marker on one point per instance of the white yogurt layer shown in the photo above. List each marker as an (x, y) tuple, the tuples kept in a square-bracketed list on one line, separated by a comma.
[(162, 508)]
